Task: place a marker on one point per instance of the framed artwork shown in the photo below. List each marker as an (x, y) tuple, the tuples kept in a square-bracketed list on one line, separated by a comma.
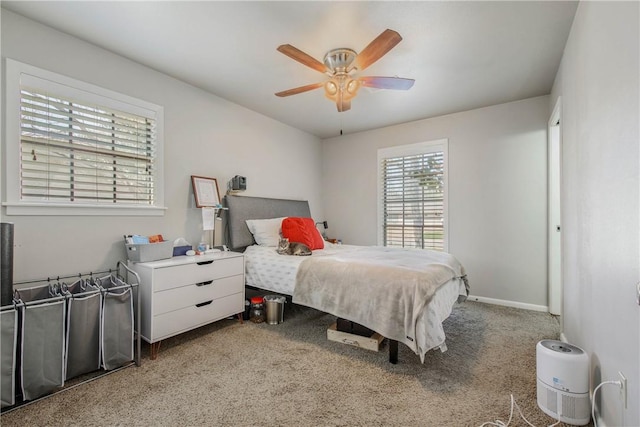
[(205, 191)]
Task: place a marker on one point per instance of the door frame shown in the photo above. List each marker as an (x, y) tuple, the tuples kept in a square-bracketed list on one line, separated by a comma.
[(554, 196)]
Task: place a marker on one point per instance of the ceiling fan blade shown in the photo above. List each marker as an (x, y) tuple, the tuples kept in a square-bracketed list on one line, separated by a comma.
[(377, 49), (303, 58), (300, 89), (396, 83)]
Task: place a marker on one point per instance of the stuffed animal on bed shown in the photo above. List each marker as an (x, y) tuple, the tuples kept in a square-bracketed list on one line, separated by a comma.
[(292, 248)]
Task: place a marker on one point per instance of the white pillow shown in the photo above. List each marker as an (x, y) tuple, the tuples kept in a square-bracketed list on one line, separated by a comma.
[(266, 232)]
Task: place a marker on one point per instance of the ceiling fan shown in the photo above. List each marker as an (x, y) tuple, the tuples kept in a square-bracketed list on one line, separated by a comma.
[(342, 64)]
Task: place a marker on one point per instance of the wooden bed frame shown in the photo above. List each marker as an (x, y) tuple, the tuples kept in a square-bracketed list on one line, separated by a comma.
[(242, 208)]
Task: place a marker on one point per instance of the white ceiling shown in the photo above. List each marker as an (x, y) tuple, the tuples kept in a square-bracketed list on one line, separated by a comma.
[(462, 55)]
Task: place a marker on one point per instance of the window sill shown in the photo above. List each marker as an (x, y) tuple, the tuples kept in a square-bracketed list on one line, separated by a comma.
[(81, 210)]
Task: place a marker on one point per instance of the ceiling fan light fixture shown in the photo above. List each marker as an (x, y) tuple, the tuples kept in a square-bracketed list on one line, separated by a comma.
[(331, 89), (353, 86), (348, 89), (341, 88)]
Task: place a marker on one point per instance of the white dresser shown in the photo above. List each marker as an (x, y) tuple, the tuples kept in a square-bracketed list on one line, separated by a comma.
[(185, 292)]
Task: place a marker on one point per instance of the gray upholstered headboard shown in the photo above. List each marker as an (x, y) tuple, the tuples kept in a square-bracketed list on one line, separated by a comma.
[(242, 208)]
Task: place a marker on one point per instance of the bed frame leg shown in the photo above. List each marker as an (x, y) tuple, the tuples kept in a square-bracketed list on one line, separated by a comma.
[(393, 351)]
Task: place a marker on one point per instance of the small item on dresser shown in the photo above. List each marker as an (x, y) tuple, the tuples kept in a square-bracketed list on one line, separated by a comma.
[(201, 248), (181, 246), (137, 239), (190, 253), (146, 252), (257, 313), (181, 250)]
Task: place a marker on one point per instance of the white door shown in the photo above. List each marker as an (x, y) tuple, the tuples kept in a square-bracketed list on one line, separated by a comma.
[(555, 230)]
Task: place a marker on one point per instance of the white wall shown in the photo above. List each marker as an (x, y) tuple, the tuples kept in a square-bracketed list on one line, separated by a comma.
[(599, 84), (204, 135), (497, 193)]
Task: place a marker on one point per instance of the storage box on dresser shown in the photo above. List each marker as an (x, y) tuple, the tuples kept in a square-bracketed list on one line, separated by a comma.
[(183, 293)]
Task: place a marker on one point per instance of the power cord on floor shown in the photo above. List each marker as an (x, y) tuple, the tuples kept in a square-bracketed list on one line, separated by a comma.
[(593, 399), (500, 423)]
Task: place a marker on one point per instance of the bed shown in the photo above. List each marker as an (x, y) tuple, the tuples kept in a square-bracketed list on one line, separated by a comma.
[(403, 294)]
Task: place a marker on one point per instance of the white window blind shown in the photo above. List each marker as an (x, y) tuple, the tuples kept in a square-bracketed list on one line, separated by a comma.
[(74, 151), (413, 190), (78, 149)]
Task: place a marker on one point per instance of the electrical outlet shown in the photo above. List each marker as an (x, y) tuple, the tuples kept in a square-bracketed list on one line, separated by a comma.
[(623, 388)]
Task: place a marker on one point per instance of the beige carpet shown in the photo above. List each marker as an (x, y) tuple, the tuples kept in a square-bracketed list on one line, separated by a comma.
[(228, 374)]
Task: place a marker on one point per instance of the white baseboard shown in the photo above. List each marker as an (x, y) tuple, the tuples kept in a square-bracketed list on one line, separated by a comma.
[(507, 303)]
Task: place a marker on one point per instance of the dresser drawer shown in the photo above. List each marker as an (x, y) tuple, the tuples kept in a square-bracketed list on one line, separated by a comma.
[(185, 296), (175, 322), (188, 274)]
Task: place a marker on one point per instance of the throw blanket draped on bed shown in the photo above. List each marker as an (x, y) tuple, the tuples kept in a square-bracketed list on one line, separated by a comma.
[(384, 289)]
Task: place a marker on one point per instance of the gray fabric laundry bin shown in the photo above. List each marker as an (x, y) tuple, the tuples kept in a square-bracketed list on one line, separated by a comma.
[(42, 337), (84, 306), (8, 337), (116, 323)]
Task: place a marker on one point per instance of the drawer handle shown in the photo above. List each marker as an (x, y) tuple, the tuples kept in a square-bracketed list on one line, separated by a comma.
[(204, 262), (208, 282), (202, 304)]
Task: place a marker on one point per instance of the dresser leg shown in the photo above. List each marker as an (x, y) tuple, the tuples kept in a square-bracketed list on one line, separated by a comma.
[(155, 348)]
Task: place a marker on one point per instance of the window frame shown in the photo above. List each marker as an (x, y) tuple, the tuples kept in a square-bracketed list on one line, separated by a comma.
[(438, 145), (14, 72)]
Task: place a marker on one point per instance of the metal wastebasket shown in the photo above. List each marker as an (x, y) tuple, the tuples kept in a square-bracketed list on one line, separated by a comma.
[(275, 308)]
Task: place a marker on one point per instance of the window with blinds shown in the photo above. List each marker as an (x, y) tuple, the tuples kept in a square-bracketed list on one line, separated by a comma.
[(73, 151), (80, 147), (413, 196)]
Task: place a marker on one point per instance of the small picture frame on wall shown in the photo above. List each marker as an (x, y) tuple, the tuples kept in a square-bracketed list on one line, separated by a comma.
[(205, 191)]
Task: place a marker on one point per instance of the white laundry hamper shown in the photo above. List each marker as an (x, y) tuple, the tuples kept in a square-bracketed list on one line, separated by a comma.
[(563, 382)]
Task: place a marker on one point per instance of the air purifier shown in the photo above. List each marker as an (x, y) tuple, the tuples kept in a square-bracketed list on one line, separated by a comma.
[(563, 382)]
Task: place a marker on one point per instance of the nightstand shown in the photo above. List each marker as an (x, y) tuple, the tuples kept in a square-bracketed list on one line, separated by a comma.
[(185, 292)]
